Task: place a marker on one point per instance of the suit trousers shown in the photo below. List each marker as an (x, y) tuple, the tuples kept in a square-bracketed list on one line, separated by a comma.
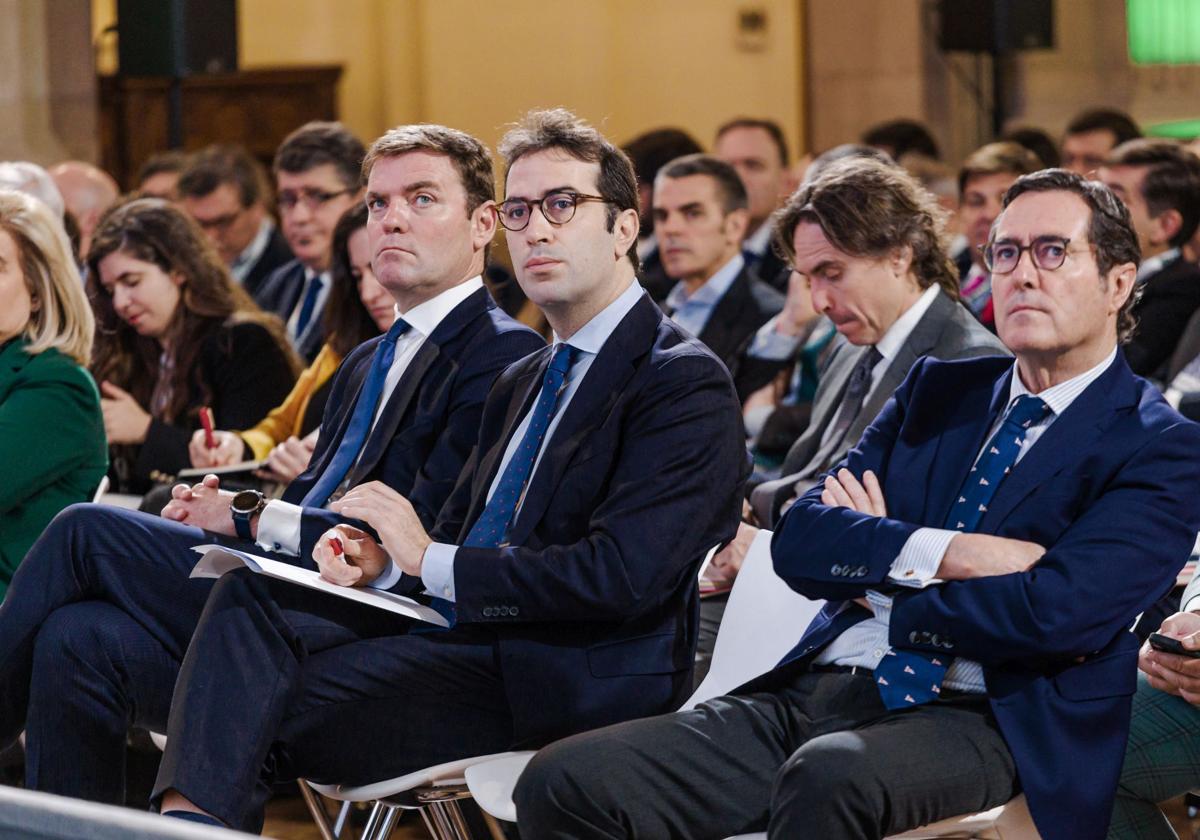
[(281, 682), (820, 757), (91, 636), (1162, 761)]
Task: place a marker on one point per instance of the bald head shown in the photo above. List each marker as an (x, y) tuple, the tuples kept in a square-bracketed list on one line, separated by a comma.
[(87, 191)]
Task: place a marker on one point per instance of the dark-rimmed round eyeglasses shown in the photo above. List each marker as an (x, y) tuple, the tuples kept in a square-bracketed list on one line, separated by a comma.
[(558, 208), (1047, 252)]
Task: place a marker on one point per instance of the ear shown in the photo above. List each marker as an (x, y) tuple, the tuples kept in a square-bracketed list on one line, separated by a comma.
[(1166, 225), (178, 279), (483, 225), (901, 260), (1121, 281), (35, 303), (626, 231), (736, 222)]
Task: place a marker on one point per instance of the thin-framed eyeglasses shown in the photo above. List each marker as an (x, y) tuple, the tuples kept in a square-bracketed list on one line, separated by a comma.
[(1047, 253), (310, 198), (557, 207)]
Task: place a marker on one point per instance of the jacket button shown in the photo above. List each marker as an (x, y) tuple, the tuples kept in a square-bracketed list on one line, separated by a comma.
[(488, 612), (935, 640), (513, 611), (836, 570), (925, 636), (913, 637), (862, 571)]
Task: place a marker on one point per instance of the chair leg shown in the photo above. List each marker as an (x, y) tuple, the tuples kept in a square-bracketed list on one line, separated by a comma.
[(381, 822), (343, 817), (455, 815), (494, 827), (317, 809), (388, 823)]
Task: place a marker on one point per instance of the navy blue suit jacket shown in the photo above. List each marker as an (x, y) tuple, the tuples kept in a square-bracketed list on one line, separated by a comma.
[(593, 601), (279, 293), (431, 420), (1111, 490)]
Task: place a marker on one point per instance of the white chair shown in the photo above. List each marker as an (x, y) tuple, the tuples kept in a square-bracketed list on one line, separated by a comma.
[(434, 792), (763, 619)]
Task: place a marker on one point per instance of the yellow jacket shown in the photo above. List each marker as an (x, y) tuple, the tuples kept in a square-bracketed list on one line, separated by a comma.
[(286, 418)]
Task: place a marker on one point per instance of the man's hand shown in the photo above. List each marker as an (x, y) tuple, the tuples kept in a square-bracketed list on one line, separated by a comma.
[(290, 458), (124, 419), (844, 490), (360, 561), (798, 311), (393, 518), (982, 555), (727, 562), (230, 449), (204, 505), (1169, 672)]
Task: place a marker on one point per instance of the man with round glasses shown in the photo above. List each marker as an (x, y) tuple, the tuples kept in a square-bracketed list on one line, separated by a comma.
[(982, 551)]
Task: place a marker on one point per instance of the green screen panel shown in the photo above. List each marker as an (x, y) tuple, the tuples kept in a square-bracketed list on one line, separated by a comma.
[(1164, 31)]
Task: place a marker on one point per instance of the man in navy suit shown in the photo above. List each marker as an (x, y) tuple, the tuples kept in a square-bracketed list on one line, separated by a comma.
[(567, 557), (984, 551), (317, 178), (93, 633)]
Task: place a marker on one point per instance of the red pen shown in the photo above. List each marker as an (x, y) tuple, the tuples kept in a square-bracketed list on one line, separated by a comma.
[(206, 420), (336, 545)]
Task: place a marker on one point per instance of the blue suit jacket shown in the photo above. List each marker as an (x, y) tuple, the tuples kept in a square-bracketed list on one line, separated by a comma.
[(431, 420), (1112, 490), (593, 602)]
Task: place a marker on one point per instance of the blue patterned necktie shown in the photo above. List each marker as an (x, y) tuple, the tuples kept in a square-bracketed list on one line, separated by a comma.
[(491, 528), (908, 677), (360, 421), (310, 302)]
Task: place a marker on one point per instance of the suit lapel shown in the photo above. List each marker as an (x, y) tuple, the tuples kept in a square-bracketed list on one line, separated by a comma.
[(1074, 432), (588, 409), (719, 333)]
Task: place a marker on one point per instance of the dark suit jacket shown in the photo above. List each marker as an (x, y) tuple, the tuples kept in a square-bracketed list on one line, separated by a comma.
[(247, 374), (773, 270), (947, 330), (1111, 489), (747, 304), (276, 254), (280, 293), (593, 601), (1168, 299), (431, 420)]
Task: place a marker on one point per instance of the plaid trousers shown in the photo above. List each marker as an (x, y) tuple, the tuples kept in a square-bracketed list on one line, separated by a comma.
[(1162, 761)]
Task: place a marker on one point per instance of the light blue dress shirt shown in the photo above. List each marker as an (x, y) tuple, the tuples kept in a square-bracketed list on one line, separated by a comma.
[(865, 643), (693, 311), (437, 569)]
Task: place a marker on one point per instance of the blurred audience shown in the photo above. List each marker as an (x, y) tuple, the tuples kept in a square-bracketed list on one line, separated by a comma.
[(158, 177), (758, 150), (175, 334), (1159, 181), (1038, 142), (1091, 135), (359, 308), (901, 137), (226, 192), (31, 179), (87, 192), (51, 431), (984, 178), (649, 152), (700, 215), (317, 178)]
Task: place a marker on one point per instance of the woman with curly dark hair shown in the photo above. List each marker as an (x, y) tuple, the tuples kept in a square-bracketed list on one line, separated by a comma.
[(174, 334)]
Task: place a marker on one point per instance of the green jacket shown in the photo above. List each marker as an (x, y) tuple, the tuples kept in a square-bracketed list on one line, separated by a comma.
[(52, 446)]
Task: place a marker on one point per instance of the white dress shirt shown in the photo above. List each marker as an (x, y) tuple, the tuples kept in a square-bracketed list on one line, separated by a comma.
[(279, 523)]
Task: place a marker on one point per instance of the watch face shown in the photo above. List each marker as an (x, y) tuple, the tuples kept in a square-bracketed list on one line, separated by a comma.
[(247, 501)]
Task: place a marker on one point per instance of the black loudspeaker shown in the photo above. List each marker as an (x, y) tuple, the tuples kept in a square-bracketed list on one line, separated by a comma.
[(995, 26), (176, 37)]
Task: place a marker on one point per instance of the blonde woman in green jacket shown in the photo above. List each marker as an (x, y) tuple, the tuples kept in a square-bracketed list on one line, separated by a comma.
[(52, 447)]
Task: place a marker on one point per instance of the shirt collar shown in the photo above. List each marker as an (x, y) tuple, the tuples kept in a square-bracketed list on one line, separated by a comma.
[(759, 241), (714, 287), (1155, 264), (1060, 396), (254, 250), (592, 335), (425, 317), (898, 333)]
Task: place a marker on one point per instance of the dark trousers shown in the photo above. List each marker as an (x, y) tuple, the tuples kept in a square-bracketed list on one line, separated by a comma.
[(92, 632), (820, 757), (282, 682)]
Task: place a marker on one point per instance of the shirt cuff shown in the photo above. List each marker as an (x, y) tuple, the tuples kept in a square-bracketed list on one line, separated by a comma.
[(772, 346), (437, 570), (881, 605), (388, 579), (921, 556), (279, 527)]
